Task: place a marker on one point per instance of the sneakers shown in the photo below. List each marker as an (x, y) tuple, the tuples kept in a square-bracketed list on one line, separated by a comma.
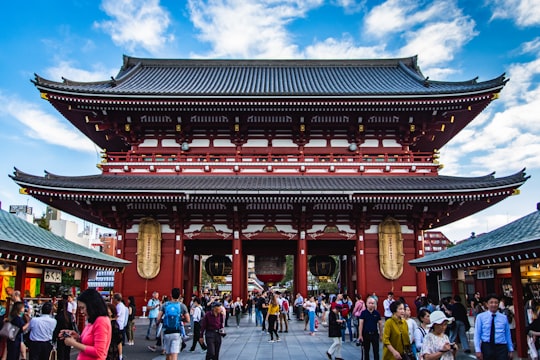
[(183, 346), (278, 340), (203, 351), (151, 348), (271, 341)]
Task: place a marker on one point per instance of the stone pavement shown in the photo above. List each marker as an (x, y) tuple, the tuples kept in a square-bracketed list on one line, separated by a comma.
[(248, 343)]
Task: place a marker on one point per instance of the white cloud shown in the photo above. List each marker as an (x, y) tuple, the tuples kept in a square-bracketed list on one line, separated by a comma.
[(461, 230), (425, 30), (66, 69), (350, 6), (343, 48), (522, 12), (137, 23), (43, 126), (437, 43), (254, 29)]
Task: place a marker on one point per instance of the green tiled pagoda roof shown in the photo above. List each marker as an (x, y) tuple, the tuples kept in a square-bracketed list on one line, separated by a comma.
[(25, 240), (518, 240)]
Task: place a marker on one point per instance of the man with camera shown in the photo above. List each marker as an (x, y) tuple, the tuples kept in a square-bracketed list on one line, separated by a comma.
[(212, 329)]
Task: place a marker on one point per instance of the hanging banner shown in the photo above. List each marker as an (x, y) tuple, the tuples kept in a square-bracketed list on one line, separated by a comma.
[(149, 248), (391, 255)]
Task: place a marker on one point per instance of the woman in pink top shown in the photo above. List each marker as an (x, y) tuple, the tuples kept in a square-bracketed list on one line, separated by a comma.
[(95, 339)]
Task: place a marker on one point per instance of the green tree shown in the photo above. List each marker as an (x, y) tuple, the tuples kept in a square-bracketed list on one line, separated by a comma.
[(43, 222)]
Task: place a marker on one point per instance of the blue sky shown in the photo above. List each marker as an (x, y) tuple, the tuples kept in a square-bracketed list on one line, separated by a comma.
[(84, 40)]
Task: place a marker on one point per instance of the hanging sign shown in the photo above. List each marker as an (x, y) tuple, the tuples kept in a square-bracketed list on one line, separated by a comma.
[(52, 276), (485, 274)]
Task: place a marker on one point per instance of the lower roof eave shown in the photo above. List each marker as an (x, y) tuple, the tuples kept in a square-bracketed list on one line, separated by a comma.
[(493, 257)]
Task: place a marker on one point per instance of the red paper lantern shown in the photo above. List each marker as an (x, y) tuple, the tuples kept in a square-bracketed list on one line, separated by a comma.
[(270, 269)]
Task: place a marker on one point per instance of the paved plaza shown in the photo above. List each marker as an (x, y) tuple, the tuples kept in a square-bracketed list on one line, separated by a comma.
[(248, 343)]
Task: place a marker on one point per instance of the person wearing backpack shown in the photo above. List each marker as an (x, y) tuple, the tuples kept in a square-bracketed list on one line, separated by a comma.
[(198, 313), (171, 318)]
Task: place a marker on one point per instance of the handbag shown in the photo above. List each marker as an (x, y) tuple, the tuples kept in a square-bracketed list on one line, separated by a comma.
[(407, 351), (53, 355), (407, 354), (9, 331)]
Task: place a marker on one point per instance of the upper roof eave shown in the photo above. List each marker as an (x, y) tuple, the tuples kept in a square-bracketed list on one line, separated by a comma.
[(179, 78)]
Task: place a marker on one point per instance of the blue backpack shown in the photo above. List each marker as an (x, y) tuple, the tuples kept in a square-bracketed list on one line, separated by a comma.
[(171, 316)]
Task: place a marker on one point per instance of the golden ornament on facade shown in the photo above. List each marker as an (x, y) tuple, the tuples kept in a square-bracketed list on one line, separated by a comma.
[(149, 248), (391, 254)]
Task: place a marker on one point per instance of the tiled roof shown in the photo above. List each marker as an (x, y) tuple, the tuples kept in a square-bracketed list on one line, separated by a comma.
[(21, 237), (276, 184), (518, 240), (270, 78)]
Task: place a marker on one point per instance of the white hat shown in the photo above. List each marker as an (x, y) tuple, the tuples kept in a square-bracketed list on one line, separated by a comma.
[(438, 317)]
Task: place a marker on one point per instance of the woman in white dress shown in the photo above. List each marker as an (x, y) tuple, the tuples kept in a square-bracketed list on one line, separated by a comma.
[(436, 344)]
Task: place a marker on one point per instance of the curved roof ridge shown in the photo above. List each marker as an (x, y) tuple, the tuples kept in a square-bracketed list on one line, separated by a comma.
[(130, 62), (39, 80)]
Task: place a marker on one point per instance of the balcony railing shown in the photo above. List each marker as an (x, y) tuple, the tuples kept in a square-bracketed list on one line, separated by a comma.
[(419, 163)]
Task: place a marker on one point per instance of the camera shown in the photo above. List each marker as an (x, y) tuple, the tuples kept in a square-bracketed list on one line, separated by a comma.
[(65, 334), (359, 342), (222, 332)]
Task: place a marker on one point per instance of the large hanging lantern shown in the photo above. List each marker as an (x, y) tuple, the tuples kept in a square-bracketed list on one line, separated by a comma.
[(270, 269), (322, 266), (218, 267)]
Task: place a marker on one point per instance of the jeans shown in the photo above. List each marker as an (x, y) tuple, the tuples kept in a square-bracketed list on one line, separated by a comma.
[(258, 317), (150, 322), (460, 331)]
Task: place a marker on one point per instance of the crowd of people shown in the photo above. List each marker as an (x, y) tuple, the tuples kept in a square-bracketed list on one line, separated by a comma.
[(437, 332)]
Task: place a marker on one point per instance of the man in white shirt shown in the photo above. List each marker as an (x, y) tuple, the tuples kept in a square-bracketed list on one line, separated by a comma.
[(196, 316), (386, 305), (72, 307), (41, 332), (121, 320)]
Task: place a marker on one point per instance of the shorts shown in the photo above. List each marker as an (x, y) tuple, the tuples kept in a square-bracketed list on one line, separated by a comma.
[(171, 343)]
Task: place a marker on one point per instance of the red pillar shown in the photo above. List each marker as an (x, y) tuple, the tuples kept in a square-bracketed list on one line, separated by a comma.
[(120, 252), (421, 281), (361, 281), (178, 264), (244, 293), (519, 310), (350, 285), (188, 291), (20, 276), (302, 264), (237, 261)]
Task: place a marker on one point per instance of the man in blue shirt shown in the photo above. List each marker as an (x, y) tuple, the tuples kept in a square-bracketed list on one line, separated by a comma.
[(153, 310), (492, 339)]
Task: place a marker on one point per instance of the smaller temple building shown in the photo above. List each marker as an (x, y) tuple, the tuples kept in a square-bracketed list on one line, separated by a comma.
[(503, 261), (32, 257)]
